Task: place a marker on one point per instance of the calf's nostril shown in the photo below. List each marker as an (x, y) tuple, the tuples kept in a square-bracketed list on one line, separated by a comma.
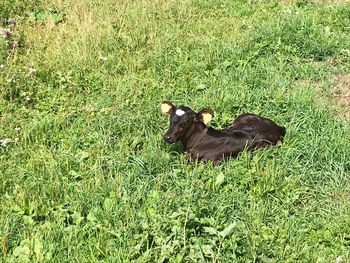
[(167, 138)]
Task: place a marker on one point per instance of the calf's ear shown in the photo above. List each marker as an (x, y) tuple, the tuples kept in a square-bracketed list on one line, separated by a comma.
[(167, 107), (206, 115)]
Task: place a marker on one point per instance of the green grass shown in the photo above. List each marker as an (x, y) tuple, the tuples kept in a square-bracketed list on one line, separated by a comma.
[(90, 179)]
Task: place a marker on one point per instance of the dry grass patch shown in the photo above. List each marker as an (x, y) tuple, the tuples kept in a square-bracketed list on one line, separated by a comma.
[(340, 93), (326, 63), (316, 1)]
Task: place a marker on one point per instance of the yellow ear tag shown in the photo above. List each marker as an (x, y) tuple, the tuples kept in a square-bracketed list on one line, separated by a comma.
[(166, 108), (206, 117)]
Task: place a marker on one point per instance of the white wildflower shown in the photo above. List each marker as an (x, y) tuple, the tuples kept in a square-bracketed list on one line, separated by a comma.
[(339, 259), (102, 58), (32, 70), (1, 66), (4, 142), (297, 12), (27, 98), (17, 129)]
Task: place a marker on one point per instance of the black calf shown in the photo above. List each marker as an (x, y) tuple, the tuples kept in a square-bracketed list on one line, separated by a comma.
[(248, 131)]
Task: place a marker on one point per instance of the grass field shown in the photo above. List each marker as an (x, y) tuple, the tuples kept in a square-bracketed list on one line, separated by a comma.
[(85, 175)]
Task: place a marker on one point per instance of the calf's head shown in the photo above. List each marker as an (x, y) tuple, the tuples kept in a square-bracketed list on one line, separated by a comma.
[(182, 120)]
